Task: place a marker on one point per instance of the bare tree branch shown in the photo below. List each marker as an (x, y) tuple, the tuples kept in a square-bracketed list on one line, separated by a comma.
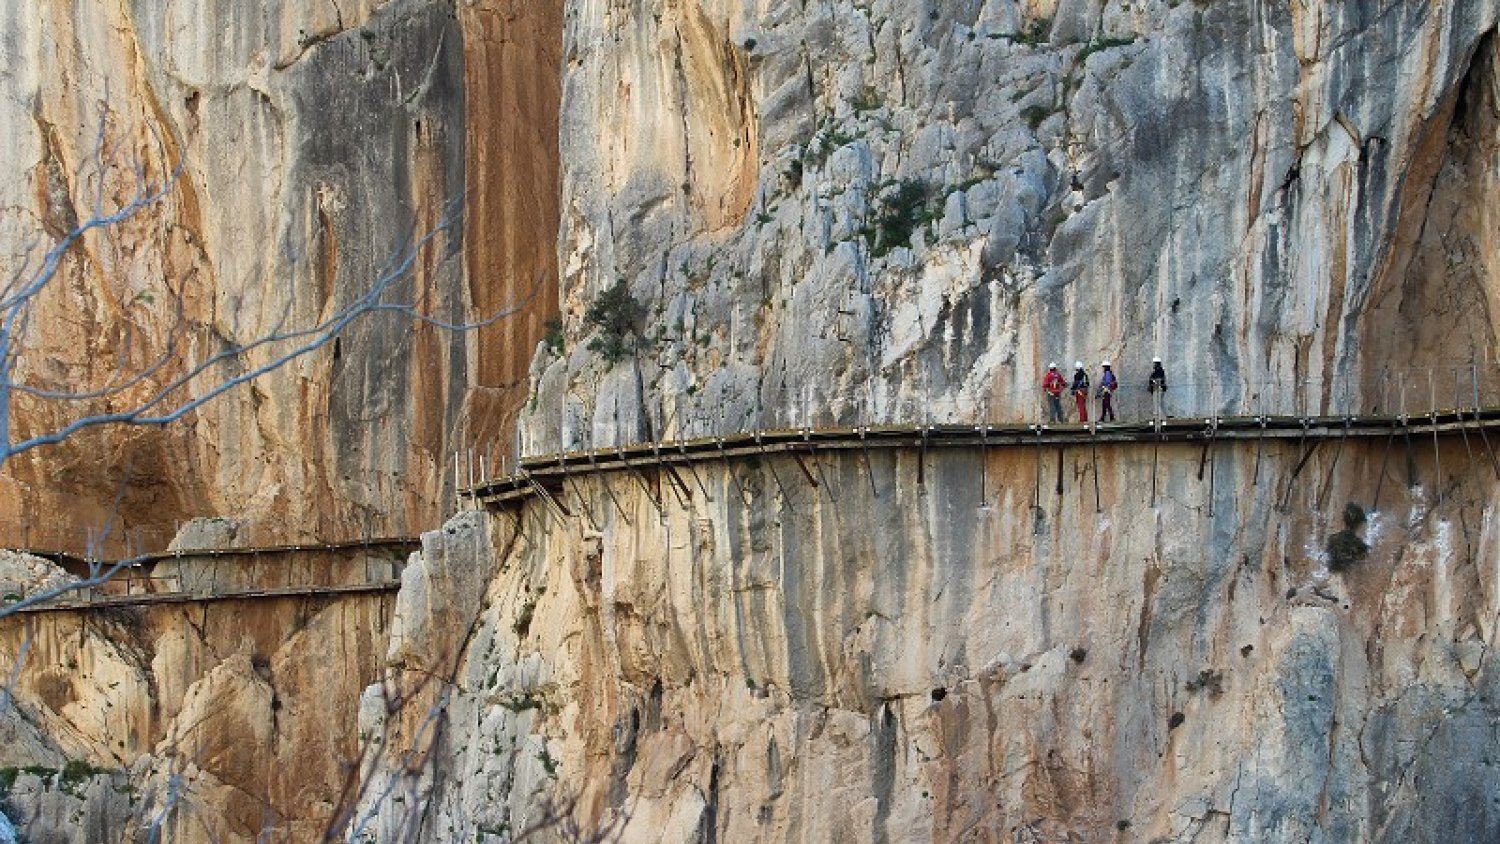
[(200, 382)]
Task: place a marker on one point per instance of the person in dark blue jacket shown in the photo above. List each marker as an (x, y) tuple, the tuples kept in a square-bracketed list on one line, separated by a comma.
[(1108, 383)]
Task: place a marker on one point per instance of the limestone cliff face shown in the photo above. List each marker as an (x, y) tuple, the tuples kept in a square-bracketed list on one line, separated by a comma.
[(876, 659), (311, 142), (844, 210), (834, 211), (848, 211)]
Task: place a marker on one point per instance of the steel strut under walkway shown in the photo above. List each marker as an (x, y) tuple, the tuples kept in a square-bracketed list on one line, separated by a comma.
[(539, 473)]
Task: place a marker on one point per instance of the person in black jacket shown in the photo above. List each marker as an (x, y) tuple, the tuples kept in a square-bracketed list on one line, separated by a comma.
[(1081, 391), (1157, 387)]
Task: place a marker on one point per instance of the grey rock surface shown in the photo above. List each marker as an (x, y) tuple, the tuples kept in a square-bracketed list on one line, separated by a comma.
[(846, 211)]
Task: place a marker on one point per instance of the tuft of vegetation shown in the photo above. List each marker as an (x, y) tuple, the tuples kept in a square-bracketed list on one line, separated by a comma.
[(1210, 680), (554, 336), (521, 702), (867, 100), (1346, 548), (1039, 32), (901, 212), (793, 173), (1100, 44), (41, 772), (522, 625), (616, 314), (1035, 115), (823, 143), (74, 774), (549, 763)]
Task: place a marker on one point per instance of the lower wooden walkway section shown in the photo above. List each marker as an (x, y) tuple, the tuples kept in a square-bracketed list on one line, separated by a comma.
[(313, 570), (73, 604)]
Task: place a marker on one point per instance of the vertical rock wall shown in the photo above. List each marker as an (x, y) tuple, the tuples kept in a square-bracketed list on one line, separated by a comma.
[(513, 66), (310, 144)]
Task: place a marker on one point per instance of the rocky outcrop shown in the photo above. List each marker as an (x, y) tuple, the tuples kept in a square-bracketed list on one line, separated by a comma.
[(24, 575), (219, 721)]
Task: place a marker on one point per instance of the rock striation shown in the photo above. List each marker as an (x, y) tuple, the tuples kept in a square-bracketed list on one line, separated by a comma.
[(970, 657), (305, 145)]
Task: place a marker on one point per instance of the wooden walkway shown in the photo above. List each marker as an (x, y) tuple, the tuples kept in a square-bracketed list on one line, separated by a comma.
[(70, 604), (542, 476), (68, 560), (134, 583), (539, 476)]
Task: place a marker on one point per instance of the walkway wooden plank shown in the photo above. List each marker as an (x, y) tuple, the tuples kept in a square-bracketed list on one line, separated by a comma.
[(163, 598), (400, 543)]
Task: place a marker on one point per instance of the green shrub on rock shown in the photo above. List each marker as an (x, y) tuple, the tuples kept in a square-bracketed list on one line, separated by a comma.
[(616, 314)]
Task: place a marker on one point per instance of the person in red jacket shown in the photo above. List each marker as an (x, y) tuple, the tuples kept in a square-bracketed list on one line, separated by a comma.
[(1081, 391), (1053, 385)]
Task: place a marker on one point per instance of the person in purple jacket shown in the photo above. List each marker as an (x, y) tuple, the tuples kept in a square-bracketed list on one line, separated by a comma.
[(1107, 386)]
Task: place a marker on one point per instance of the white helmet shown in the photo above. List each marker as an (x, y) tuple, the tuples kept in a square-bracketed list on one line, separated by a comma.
[(1077, 364), (1105, 364), (1052, 365), (1156, 360)]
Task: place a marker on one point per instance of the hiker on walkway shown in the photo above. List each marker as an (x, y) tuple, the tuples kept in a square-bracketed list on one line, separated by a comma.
[(1157, 387), (1107, 386), (1053, 385), (1081, 391)]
